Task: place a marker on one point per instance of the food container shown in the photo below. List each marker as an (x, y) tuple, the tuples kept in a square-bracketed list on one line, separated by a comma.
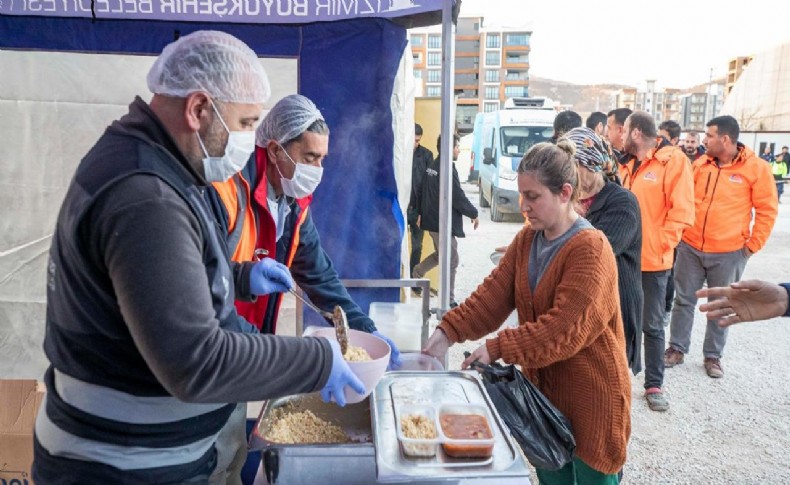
[(418, 446), (466, 431), (369, 372), (402, 322), (353, 463), (400, 392), (375, 455)]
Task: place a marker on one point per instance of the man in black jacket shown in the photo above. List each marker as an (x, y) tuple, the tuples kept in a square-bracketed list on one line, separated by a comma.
[(422, 157), (427, 204)]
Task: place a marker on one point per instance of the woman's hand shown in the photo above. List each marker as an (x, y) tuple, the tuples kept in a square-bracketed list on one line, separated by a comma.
[(437, 345), (481, 354)]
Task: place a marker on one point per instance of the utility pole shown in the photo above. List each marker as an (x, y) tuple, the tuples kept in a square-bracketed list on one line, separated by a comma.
[(709, 99)]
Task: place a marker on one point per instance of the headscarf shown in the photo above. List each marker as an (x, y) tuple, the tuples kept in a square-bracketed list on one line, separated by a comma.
[(592, 152)]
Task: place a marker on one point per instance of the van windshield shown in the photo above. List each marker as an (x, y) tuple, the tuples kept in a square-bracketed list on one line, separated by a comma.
[(517, 140)]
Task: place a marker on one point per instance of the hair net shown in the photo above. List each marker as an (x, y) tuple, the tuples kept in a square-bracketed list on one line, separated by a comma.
[(288, 119), (591, 152), (211, 61)]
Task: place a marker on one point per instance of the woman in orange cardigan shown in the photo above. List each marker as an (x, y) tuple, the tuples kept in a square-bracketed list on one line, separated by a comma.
[(560, 275)]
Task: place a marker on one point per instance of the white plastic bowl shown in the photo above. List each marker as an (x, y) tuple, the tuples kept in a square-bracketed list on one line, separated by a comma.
[(369, 372)]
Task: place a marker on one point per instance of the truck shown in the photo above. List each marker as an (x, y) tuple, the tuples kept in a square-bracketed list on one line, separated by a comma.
[(501, 138)]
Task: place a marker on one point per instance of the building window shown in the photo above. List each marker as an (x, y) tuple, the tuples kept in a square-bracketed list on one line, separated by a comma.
[(434, 41), (493, 41), (489, 107), (417, 74), (433, 91), (417, 40), (512, 91), (517, 58), (516, 39), (465, 114), (434, 59), (492, 92), (492, 76), (417, 58), (493, 58), (434, 76)]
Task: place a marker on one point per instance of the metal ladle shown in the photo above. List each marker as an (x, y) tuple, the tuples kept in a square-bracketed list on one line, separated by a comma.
[(337, 318)]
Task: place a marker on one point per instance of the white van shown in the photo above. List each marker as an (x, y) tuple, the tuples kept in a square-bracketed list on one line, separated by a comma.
[(502, 138)]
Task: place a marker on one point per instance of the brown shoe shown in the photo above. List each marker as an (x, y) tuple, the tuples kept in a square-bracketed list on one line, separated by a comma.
[(713, 368), (673, 357)]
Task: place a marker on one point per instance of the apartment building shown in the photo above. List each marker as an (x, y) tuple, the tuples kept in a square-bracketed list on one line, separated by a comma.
[(491, 65), (662, 104), (690, 108), (735, 69)]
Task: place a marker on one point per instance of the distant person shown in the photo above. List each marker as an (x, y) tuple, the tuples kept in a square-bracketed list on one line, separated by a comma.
[(670, 130), (597, 123), (421, 158), (779, 170), (745, 301), (659, 175), (428, 218), (691, 146), (768, 154), (784, 157), (734, 217), (564, 122), (615, 122), (614, 211)]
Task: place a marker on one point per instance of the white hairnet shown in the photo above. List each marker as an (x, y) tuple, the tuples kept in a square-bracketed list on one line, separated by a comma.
[(210, 61), (288, 119)]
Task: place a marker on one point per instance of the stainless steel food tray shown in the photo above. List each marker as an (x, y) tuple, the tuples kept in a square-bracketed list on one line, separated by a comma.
[(418, 387), (294, 464)]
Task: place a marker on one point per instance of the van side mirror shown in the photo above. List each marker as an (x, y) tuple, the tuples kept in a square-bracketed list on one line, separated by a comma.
[(488, 159)]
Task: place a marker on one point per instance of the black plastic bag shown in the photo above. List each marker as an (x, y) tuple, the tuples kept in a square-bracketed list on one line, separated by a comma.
[(541, 430)]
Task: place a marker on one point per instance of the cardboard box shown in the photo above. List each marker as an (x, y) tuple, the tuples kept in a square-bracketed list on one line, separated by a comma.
[(19, 402)]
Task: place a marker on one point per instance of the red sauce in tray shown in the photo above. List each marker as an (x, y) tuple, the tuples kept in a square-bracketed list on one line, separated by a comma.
[(466, 427)]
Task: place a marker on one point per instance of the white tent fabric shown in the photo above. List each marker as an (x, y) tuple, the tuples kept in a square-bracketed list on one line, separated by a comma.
[(50, 115)]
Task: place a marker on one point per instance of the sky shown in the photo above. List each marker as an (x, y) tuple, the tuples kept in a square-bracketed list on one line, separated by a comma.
[(674, 42)]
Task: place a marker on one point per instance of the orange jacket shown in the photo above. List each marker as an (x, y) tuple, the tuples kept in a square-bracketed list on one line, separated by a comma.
[(234, 199), (664, 187), (724, 198)]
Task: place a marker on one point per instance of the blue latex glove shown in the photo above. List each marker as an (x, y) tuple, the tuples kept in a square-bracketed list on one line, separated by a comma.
[(269, 276), (395, 362), (340, 377)]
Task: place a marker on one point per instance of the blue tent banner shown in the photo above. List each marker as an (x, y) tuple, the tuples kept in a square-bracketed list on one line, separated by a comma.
[(229, 11)]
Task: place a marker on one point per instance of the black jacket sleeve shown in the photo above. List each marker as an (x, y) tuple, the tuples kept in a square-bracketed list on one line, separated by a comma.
[(460, 202), (314, 273)]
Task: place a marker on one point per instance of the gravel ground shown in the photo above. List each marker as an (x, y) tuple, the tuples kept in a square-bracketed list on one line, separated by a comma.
[(734, 430)]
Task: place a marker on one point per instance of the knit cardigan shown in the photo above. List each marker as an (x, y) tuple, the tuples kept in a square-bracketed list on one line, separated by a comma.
[(569, 341)]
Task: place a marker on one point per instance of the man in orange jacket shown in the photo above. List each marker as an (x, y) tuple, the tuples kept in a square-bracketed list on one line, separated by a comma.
[(730, 181), (659, 175)]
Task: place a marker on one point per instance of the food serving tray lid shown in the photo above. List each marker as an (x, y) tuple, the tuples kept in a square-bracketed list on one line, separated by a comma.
[(436, 388)]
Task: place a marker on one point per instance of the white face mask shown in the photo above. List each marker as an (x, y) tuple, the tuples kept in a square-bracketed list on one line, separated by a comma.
[(238, 149), (304, 181)]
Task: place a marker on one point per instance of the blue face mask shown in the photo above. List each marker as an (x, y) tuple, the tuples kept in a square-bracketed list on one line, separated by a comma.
[(238, 149)]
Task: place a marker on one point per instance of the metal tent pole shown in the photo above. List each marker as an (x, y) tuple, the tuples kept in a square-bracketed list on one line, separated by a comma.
[(446, 154)]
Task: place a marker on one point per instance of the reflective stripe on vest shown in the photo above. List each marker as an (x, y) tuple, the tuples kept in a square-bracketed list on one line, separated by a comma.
[(108, 403), (61, 443)]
